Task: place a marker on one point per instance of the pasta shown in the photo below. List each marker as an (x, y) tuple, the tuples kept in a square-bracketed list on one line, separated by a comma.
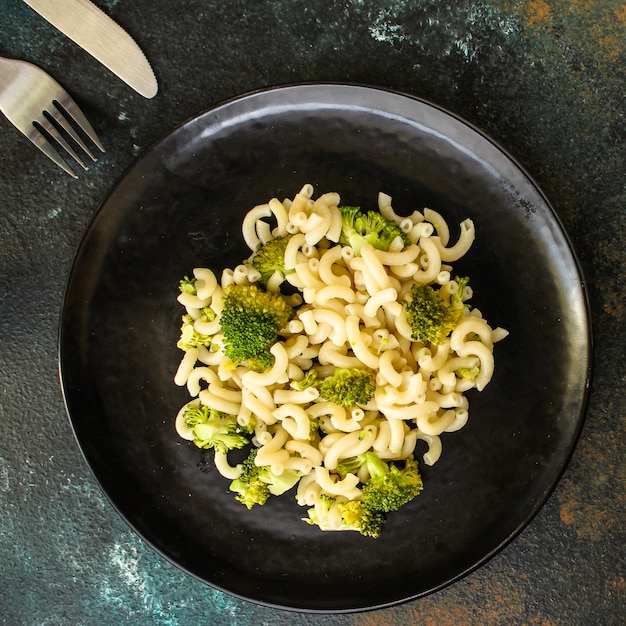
[(349, 313)]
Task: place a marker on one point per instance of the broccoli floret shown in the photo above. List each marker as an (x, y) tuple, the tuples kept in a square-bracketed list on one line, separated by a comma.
[(314, 429), (353, 515), (431, 318), (270, 257), (389, 486), (350, 465), (257, 483), (358, 228), (214, 429), (207, 314), (319, 514), (190, 337), (348, 387), (251, 320), (310, 378), (188, 285), (356, 515), (250, 489), (468, 373)]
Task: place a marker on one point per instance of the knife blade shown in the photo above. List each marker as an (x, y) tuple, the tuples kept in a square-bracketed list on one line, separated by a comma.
[(92, 29)]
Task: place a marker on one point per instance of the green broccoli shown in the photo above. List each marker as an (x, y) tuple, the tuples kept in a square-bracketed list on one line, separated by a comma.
[(354, 514), (310, 379), (250, 489), (431, 318), (190, 337), (256, 483), (251, 320), (315, 427), (350, 465), (188, 285), (319, 514), (348, 387), (359, 516), (270, 257), (468, 373), (214, 429), (389, 486), (358, 228)]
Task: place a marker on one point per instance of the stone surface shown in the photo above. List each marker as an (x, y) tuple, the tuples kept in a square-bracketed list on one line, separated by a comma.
[(545, 78)]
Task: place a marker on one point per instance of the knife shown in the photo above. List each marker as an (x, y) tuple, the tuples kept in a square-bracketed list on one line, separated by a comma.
[(84, 23)]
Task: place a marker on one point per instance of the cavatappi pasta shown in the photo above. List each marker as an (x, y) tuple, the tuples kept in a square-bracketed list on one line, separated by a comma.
[(349, 314)]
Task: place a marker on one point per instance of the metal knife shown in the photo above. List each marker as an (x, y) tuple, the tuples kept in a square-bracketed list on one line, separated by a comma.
[(84, 23)]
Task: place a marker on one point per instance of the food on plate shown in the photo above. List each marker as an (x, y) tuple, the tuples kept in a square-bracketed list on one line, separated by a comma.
[(336, 354)]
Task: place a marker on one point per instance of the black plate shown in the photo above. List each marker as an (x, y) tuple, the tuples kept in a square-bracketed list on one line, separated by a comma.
[(181, 205)]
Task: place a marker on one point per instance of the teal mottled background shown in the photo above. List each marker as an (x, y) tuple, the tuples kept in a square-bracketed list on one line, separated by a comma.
[(545, 78)]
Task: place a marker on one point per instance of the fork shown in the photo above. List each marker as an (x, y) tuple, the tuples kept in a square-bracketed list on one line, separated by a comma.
[(42, 110)]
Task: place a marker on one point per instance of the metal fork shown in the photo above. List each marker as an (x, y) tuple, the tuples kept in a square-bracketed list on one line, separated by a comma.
[(41, 109)]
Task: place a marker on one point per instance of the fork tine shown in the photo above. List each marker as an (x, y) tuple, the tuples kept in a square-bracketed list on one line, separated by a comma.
[(48, 127), (57, 115), (71, 108), (44, 145)]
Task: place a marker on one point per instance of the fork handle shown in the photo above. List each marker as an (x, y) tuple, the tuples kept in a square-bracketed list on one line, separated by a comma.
[(9, 69)]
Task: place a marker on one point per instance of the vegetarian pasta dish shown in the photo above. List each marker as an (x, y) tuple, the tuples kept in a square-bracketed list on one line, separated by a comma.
[(340, 343)]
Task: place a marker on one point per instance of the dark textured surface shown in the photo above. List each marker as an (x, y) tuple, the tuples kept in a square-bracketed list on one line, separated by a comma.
[(545, 79)]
